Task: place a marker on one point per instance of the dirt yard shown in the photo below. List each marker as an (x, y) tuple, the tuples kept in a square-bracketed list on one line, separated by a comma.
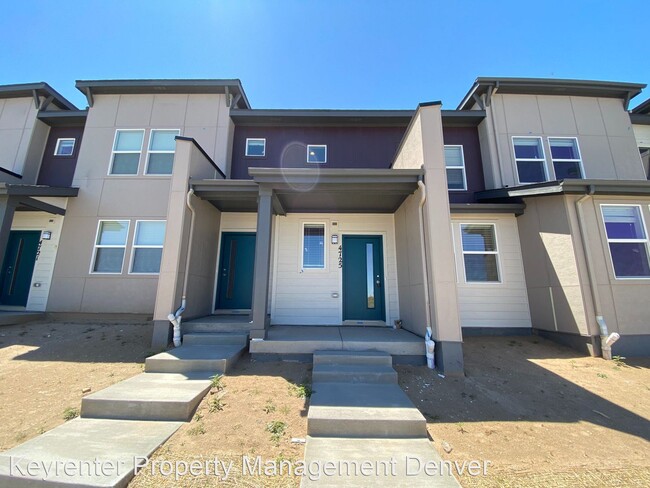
[(45, 366), (541, 413)]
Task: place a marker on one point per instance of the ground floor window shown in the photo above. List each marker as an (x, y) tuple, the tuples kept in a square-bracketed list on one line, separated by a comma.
[(110, 246), (627, 239), (480, 254), (147, 246), (313, 251)]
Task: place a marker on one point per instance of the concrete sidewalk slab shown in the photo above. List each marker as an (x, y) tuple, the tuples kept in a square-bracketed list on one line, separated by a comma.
[(82, 442), (354, 373), (394, 462), (149, 396), (184, 359)]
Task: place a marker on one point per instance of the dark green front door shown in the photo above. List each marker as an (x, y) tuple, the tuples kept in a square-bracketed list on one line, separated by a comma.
[(235, 283), (363, 278), (18, 267)]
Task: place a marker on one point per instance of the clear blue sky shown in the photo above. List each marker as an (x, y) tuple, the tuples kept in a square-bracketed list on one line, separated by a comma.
[(324, 54)]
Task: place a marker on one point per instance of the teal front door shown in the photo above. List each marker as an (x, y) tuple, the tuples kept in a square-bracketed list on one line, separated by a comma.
[(363, 278), (18, 267), (235, 282)]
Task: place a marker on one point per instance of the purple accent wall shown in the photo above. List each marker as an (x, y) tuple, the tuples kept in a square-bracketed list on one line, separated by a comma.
[(59, 170), (347, 147), (468, 138)]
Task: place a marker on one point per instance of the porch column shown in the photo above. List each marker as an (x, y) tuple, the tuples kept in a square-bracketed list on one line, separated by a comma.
[(262, 270), (7, 209)]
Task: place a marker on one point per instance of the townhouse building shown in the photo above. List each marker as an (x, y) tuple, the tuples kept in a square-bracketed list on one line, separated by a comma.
[(522, 211)]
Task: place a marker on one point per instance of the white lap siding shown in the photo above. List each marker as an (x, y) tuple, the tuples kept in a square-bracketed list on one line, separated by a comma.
[(503, 304), (305, 297)]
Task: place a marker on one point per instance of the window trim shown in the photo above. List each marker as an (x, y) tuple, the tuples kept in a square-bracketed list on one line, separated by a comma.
[(500, 281), (645, 241), (316, 145), (255, 155), (113, 152), (579, 161), (543, 159), (152, 151), (135, 246), (109, 246), (463, 168), (302, 246), (58, 143)]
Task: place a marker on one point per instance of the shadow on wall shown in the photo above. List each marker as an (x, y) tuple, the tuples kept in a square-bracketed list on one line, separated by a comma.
[(505, 382)]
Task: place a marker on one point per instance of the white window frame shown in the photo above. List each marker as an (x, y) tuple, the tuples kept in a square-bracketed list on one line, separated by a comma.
[(302, 247), (495, 252), (255, 155), (113, 152), (579, 161), (107, 246), (542, 160), (135, 246), (316, 145), (462, 157), (58, 144), (629, 241), (152, 151)]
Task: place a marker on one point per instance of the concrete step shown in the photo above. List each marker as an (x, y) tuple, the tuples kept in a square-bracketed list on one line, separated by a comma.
[(205, 339), (149, 396), (403, 473), (185, 359), (354, 373), (218, 324), (86, 444), (363, 410), (352, 357)]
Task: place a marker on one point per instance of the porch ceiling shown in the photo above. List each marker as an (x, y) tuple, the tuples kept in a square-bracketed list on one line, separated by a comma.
[(314, 190)]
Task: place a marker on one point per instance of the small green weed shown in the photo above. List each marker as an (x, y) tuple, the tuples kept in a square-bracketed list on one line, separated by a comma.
[(70, 413), (198, 429), (269, 407), (619, 361), (601, 375), (302, 390), (277, 428), (217, 382), (216, 405)]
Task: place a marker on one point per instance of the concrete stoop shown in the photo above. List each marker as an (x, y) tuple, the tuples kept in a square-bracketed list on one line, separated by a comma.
[(358, 413), (125, 421)]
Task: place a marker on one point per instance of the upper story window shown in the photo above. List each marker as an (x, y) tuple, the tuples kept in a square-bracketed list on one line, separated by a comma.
[(317, 153), (530, 160), (566, 157), (256, 147), (455, 163), (480, 255), (627, 240), (162, 145), (313, 249), (110, 246), (127, 147), (64, 147)]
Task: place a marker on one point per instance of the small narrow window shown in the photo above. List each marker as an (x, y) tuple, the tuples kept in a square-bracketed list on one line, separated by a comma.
[(126, 152), (627, 239), (316, 154), (566, 157), (147, 246), (110, 245), (480, 253), (256, 147), (162, 145), (455, 163), (64, 147), (313, 253), (529, 156)]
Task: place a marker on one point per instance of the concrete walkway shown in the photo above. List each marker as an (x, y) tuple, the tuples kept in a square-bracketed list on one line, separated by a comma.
[(126, 422), (358, 415)]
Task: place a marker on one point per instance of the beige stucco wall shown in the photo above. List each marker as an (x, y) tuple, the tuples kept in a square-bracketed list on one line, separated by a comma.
[(602, 126), (502, 304), (22, 139), (138, 197), (410, 269)]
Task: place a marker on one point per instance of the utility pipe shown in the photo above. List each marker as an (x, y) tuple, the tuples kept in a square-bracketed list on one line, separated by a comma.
[(606, 342), (425, 282), (176, 317)]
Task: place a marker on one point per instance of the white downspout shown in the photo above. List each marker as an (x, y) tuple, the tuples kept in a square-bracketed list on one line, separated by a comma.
[(606, 342), (427, 304), (176, 317)]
